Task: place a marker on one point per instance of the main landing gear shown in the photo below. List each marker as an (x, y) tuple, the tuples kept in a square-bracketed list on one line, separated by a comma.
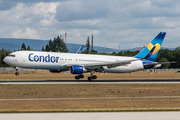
[(89, 78), (92, 76), (79, 76), (16, 73)]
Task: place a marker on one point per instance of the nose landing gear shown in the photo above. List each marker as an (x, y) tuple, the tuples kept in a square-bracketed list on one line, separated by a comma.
[(16, 73)]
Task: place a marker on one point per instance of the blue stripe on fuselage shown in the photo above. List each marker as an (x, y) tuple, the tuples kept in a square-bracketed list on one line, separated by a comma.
[(147, 62)]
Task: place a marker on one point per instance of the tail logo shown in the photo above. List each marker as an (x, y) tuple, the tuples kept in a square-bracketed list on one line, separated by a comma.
[(150, 46)]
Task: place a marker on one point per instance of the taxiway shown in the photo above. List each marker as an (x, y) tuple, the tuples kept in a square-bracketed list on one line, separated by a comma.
[(172, 115)]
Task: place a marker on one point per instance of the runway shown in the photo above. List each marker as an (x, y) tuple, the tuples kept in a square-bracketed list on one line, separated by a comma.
[(173, 115), (132, 81)]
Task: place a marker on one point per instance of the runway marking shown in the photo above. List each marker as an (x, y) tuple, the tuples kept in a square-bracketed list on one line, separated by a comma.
[(123, 81), (152, 97)]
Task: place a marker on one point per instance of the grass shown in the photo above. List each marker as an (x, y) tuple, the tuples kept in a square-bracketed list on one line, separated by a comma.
[(92, 90), (120, 97)]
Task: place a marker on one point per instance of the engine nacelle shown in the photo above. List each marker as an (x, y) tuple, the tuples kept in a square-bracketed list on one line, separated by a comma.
[(54, 71), (77, 69)]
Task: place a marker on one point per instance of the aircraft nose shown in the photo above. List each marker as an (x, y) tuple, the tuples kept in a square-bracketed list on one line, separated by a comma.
[(5, 60)]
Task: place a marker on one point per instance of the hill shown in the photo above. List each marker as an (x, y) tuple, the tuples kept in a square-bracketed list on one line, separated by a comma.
[(15, 44)]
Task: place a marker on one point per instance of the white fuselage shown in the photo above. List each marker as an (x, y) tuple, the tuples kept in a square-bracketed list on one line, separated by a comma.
[(58, 61)]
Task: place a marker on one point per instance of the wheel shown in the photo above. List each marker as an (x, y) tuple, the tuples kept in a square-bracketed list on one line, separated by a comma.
[(77, 77), (94, 77), (81, 76), (90, 78), (16, 73)]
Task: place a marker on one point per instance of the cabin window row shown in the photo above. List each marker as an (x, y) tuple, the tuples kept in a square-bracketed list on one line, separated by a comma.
[(77, 60)]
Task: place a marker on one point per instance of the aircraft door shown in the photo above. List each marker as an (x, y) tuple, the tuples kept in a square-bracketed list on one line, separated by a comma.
[(24, 58)]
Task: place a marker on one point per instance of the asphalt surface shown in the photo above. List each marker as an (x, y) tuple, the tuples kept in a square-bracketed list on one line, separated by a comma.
[(146, 81), (173, 115)]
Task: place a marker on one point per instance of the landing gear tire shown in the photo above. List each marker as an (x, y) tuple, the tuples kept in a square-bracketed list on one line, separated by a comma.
[(16, 73), (81, 76), (77, 77), (90, 78), (94, 77)]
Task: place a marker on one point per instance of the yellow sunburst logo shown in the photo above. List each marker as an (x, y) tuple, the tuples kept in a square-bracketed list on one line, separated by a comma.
[(150, 46)]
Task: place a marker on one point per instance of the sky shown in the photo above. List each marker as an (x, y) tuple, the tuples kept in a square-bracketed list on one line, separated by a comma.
[(113, 23)]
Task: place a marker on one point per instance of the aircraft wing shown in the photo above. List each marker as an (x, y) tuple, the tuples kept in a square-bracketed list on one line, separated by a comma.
[(114, 64), (109, 64)]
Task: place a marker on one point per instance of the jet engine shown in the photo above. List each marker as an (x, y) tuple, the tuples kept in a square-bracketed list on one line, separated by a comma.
[(77, 69), (54, 71)]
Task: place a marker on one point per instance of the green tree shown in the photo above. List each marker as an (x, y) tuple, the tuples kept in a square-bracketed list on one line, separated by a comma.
[(56, 45), (51, 47), (64, 48), (114, 53), (47, 48), (23, 47), (176, 54), (87, 46), (43, 48), (59, 45), (28, 48), (1, 64), (121, 53), (3, 54), (128, 53), (170, 55), (93, 52), (165, 66)]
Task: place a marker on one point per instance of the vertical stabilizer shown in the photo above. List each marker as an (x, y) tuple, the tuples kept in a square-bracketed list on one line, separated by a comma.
[(157, 42), (80, 50)]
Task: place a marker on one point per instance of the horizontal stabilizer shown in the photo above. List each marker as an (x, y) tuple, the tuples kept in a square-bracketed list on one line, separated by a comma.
[(159, 63)]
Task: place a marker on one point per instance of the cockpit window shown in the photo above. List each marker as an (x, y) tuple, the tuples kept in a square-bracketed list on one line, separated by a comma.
[(11, 55)]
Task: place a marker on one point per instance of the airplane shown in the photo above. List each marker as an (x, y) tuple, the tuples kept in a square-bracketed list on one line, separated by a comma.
[(80, 50), (88, 63)]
